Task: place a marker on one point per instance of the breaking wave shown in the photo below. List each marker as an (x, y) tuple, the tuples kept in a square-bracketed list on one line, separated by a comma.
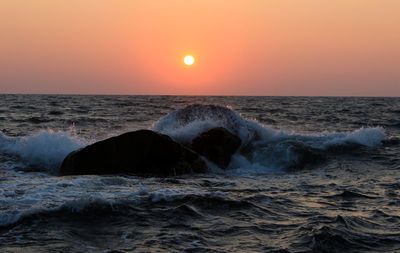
[(264, 149), (46, 148), (185, 124)]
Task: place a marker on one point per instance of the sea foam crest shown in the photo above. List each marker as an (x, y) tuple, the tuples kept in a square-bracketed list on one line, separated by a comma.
[(370, 137), (267, 149), (46, 148), (185, 124)]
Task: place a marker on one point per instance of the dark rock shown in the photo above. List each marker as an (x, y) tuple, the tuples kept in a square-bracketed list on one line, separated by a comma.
[(141, 152), (218, 145)]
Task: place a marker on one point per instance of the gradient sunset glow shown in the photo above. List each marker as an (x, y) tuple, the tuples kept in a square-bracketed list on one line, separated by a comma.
[(276, 47)]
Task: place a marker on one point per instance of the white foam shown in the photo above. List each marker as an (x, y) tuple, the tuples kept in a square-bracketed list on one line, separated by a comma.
[(271, 149), (369, 137), (46, 148), (185, 124)]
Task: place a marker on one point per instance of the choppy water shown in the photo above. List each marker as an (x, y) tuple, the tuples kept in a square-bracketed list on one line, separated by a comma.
[(315, 175)]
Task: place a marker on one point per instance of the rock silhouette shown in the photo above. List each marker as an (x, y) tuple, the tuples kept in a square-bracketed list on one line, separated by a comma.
[(217, 145), (142, 152)]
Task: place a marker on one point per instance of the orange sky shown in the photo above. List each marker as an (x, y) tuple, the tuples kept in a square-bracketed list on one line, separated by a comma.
[(257, 47)]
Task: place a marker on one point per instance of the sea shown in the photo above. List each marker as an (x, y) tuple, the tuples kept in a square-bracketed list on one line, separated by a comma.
[(313, 174)]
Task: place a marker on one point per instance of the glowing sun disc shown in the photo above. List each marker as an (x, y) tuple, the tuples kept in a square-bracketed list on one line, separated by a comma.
[(189, 60)]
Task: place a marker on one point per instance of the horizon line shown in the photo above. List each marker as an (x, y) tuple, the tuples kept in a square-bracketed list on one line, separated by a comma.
[(197, 95)]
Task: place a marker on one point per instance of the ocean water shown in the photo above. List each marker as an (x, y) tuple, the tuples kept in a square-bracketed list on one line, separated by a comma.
[(314, 174)]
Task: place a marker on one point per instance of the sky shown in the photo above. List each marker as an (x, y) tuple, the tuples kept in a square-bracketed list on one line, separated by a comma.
[(246, 47)]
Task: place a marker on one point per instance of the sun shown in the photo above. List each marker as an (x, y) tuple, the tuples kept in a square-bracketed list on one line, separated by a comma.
[(188, 60)]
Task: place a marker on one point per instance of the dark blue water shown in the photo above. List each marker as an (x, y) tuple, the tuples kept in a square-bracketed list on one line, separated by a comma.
[(321, 174)]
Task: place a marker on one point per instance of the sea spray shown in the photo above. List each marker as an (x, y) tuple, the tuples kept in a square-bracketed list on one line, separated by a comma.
[(46, 148), (266, 149)]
